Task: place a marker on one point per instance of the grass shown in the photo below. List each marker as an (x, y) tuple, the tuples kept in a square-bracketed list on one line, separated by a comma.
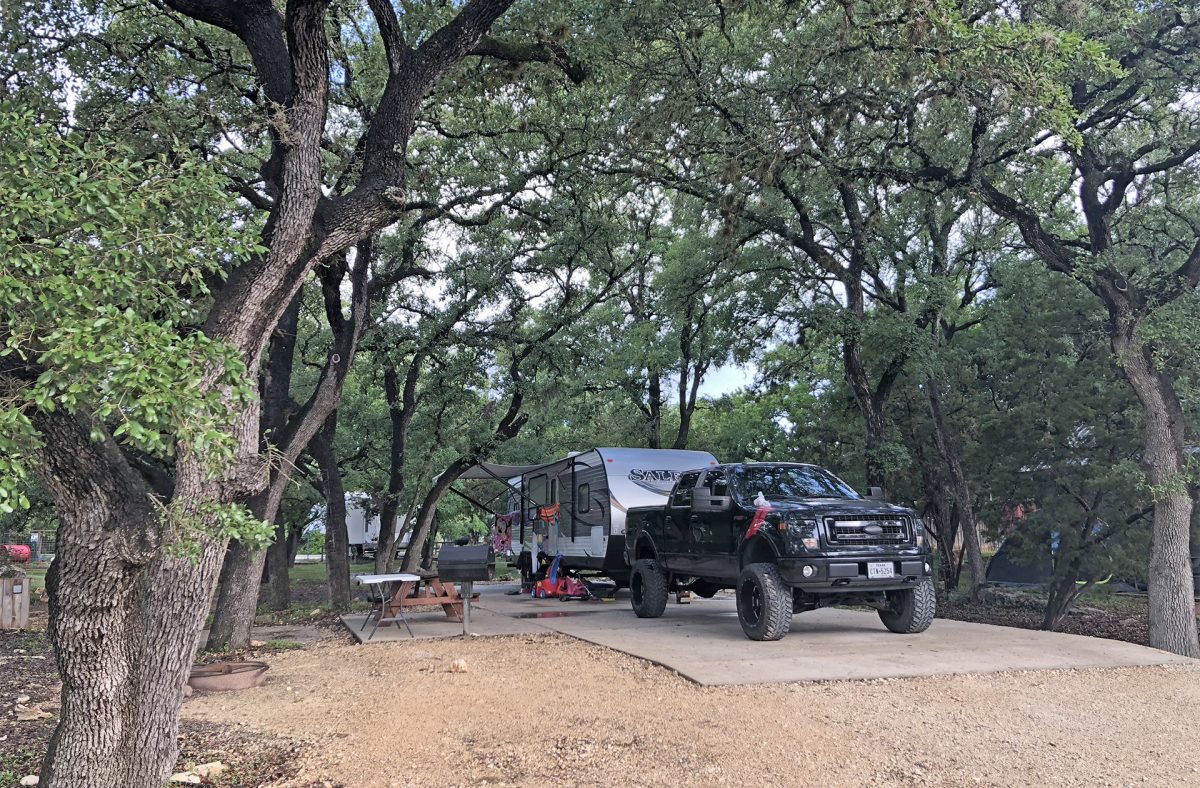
[(36, 573), (16, 762)]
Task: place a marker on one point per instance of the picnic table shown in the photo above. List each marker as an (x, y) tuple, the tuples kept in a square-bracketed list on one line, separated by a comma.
[(379, 596), (409, 594), (403, 591)]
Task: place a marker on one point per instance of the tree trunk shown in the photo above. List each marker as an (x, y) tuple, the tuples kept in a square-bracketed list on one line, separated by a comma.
[(428, 510), (871, 407), (949, 448), (337, 540), (94, 647), (687, 402), (401, 406), (241, 576), (654, 438), (293, 545), (427, 548), (1171, 591), (279, 563), (123, 622), (237, 602)]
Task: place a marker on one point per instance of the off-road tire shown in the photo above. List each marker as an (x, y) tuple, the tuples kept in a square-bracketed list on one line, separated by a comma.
[(764, 603), (648, 588), (912, 609)]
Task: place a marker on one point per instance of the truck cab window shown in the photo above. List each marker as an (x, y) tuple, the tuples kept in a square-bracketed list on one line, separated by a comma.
[(789, 481), (683, 489), (716, 483)]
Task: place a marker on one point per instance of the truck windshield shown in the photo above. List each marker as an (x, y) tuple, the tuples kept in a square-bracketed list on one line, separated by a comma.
[(789, 481)]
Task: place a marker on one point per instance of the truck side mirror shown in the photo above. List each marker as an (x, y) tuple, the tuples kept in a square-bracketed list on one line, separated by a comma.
[(720, 489), (876, 493)]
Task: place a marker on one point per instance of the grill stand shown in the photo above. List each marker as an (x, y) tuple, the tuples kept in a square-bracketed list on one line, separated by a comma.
[(466, 595)]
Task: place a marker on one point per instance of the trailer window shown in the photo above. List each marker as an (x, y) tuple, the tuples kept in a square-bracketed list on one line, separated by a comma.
[(583, 499), (539, 491)]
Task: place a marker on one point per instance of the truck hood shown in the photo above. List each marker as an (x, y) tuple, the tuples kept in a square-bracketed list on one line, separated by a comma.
[(822, 507)]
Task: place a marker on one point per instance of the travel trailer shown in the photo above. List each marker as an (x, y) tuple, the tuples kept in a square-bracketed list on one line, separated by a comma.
[(362, 525), (576, 506)]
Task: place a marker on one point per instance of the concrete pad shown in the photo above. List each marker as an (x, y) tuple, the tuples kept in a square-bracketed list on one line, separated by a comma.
[(703, 642)]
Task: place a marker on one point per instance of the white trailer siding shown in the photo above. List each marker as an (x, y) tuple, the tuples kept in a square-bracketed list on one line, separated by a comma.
[(594, 489)]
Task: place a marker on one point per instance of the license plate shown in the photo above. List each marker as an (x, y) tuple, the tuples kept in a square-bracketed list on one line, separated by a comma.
[(880, 571)]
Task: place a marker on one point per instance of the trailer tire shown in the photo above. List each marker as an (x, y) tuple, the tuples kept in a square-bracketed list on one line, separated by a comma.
[(764, 602), (912, 609), (648, 589)]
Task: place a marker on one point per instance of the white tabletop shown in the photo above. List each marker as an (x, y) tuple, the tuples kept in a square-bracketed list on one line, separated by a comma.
[(396, 578)]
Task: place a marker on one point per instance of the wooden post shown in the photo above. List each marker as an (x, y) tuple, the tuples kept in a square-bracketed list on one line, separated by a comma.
[(14, 602)]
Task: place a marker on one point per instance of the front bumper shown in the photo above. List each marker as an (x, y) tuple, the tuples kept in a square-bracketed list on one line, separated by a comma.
[(849, 572)]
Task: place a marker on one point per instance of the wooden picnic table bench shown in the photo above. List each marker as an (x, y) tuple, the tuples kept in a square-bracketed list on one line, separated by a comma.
[(406, 595)]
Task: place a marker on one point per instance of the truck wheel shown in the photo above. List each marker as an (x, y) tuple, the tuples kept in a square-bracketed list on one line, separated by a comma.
[(648, 589), (911, 609), (764, 603)]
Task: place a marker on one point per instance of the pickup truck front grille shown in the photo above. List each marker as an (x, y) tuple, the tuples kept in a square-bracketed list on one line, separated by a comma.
[(867, 529)]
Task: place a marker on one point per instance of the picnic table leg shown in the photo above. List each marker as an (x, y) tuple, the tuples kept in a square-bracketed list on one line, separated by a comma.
[(453, 604), (395, 605)]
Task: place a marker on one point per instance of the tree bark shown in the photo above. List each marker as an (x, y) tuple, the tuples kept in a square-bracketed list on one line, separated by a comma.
[(279, 564), (401, 407), (1170, 582), (237, 597), (123, 615), (951, 452), (688, 392), (337, 541), (940, 522), (428, 510), (237, 591), (654, 408), (872, 408)]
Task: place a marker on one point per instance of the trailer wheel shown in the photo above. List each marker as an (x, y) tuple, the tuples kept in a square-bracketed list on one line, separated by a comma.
[(764, 602), (911, 610), (648, 589)]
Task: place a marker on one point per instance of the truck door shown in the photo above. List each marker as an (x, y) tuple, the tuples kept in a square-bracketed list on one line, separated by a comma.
[(680, 548), (712, 518)]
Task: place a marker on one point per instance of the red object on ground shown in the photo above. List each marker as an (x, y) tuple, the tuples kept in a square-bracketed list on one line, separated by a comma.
[(19, 553)]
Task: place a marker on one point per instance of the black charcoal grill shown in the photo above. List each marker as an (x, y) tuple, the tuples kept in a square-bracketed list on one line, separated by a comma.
[(466, 564)]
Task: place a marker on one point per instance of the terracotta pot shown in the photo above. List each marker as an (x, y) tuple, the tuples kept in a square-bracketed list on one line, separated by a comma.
[(224, 676)]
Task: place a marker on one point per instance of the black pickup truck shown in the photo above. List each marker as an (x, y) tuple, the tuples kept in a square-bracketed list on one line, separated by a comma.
[(788, 538)]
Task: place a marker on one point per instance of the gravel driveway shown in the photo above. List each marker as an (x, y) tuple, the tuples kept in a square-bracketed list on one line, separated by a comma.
[(549, 710)]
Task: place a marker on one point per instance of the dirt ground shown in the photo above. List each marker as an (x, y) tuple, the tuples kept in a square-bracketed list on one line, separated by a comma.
[(549, 710)]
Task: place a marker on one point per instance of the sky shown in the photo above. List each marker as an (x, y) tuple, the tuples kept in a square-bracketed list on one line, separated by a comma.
[(727, 379)]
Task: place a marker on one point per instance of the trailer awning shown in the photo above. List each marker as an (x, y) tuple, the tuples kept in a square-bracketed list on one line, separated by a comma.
[(495, 471)]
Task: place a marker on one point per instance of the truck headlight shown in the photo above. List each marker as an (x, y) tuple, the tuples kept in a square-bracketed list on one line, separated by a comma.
[(919, 531), (804, 533)]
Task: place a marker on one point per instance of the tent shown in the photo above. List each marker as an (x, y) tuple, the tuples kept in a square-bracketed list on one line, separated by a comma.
[(1006, 569)]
